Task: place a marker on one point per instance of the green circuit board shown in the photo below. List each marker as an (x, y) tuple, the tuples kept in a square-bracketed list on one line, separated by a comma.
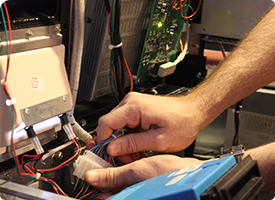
[(162, 39)]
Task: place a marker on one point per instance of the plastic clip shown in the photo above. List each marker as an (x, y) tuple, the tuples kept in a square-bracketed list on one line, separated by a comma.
[(115, 46), (38, 175), (10, 102)]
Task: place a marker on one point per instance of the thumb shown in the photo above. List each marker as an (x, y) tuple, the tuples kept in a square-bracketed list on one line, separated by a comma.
[(116, 178)]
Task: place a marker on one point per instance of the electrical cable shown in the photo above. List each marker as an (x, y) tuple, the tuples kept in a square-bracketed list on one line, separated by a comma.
[(81, 189), (182, 2), (118, 64)]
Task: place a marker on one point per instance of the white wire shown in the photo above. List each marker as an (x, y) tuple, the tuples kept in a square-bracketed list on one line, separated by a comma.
[(77, 52)]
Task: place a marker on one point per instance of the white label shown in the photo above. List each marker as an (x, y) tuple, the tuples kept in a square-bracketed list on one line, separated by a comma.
[(194, 167), (182, 171), (175, 180), (171, 174), (37, 83)]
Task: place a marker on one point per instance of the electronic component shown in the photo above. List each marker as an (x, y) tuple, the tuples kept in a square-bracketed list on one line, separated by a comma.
[(162, 39), (32, 81), (212, 180), (88, 161), (189, 182)]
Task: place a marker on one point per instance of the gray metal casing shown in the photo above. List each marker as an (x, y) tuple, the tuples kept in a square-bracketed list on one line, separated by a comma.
[(135, 16), (231, 18)]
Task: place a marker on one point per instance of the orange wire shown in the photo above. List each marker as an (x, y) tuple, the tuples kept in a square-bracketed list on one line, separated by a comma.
[(188, 17), (130, 75), (55, 168)]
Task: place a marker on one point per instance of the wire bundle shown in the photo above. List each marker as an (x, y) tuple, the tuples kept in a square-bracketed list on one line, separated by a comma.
[(32, 173), (118, 63), (81, 189), (182, 4)]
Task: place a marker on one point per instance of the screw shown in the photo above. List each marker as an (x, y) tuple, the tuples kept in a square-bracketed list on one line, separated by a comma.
[(83, 122), (27, 111), (58, 155), (64, 98), (199, 74), (29, 33), (7, 176)]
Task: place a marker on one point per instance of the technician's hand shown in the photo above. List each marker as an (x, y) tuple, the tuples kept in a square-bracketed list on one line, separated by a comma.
[(169, 124), (120, 177)]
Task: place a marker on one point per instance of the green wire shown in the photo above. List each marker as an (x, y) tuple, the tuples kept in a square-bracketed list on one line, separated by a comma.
[(113, 82), (6, 32), (12, 107)]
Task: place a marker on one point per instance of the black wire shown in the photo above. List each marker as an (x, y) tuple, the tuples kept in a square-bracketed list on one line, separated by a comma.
[(237, 122), (118, 59), (107, 5)]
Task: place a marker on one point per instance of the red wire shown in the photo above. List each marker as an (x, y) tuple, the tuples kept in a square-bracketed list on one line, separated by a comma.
[(62, 164), (181, 7), (88, 194), (9, 25), (130, 75), (109, 20), (15, 116)]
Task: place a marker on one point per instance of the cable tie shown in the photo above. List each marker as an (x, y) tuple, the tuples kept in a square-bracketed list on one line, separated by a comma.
[(115, 46), (38, 175), (113, 135), (3, 82), (10, 102)]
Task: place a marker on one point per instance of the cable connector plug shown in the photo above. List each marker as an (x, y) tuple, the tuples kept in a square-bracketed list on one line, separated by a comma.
[(88, 161), (34, 140), (67, 127), (166, 69)]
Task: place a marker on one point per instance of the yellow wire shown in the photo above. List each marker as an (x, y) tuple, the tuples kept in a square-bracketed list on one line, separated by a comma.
[(191, 8), (77, 180), (80, 190), (87, 187)]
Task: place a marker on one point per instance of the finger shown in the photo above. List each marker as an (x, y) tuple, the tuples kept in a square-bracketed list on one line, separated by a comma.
[(136, 142), (117, 119), (104, 196), (118, 177), (91, 143)]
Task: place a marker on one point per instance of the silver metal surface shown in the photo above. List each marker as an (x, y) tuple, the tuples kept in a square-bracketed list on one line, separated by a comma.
[(17, 191), (45, 110), (230, 18), (31, 38)]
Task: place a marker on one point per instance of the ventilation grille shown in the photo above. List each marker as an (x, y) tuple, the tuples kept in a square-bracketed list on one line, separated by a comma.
[(135, 16)]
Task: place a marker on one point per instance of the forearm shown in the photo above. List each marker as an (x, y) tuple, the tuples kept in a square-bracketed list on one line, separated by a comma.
[(265, 155), (248, 68)]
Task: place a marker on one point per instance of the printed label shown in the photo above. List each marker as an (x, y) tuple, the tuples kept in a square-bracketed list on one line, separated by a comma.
[(175, 180), (37, 83)]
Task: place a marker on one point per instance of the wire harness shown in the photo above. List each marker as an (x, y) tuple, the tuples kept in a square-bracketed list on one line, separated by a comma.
[(97, 157)]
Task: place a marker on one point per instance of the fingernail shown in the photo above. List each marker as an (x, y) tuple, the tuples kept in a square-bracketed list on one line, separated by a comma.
[(91, 176), (114, 149)]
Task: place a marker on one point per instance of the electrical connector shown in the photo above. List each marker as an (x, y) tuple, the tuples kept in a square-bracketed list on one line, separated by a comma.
[(67, 126), (88, 161), (166, 69), (34, 140)]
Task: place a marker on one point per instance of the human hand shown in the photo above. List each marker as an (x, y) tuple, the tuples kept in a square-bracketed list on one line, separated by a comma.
[(118, 178), (169, 124)]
